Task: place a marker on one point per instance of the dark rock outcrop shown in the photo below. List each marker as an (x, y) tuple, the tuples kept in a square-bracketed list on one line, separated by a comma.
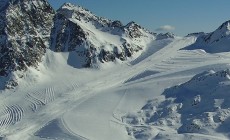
[(24, 33), (71, 32)]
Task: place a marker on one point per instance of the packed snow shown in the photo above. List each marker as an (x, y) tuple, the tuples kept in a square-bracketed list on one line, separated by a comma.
[(122, 101)]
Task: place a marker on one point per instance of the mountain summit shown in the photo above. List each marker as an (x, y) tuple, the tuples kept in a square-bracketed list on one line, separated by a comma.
[(94, 38), (214, 42), (28, 28)]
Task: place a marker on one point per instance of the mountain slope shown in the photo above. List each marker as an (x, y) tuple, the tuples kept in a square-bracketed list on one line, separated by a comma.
[(62, 102), (214, 42), (96, 39), (200, 105), (147, 86), (25, 29), (29, 28)]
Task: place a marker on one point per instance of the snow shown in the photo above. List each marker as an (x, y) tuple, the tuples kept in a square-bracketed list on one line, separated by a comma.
[(200, 106), (108, 38), (57, 100), (214, 42), (174, 88)]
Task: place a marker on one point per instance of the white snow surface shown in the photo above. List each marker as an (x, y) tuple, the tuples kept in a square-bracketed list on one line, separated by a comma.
[(122, 101)]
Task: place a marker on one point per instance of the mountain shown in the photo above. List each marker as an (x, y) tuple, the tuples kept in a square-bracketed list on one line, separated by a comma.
[(165, 36), (94, 38), (28, 28), (214, 42), (70, 74), (24, 29)]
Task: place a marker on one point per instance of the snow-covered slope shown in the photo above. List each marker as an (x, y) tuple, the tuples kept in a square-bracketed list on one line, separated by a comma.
[(214, 42), (62, 102), (200, 105), (25, 27), (132, 97)]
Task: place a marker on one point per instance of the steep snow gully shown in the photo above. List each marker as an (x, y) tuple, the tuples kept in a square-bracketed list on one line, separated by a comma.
[(97, 79)]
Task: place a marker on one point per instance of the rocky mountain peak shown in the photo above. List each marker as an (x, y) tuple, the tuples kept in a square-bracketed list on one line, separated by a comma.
[(165, 36), (222, 32), (225, 26), (79, 13), (71, 9), (29, 27), (116, 23), (214, 42), (67, 5), (96, 39), (132, 24)]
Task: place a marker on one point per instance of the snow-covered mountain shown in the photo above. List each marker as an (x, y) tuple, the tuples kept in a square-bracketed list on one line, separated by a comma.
[(29, 28), (24, 29), (165, 36), (140, 85), (214, 42), (95, 38)]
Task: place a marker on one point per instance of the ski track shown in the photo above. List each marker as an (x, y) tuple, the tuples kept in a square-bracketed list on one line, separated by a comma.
[(117, 115), (33, 101), (40, 98), (160, 65), (11, 115), (72, 86)]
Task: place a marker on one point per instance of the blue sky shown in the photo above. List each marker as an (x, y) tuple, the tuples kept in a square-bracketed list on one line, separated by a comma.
[(185, 16)]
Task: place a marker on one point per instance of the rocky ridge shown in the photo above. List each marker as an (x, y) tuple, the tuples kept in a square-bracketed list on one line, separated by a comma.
[(77, 29)]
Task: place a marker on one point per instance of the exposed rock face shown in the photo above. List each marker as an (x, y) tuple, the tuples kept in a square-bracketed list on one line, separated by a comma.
[(66, 35), (165, 36), (133, 30), (96, 38), (24, 33), (29, 27)]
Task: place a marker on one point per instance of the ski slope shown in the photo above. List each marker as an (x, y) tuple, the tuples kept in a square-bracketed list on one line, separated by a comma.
[(57, 101)]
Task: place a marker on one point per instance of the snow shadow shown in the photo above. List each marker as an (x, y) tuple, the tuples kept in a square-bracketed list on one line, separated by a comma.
[(142, 75), (55, 130)]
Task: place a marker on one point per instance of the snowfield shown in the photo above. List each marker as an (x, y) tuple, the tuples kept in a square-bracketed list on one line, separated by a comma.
[(158, 95), (72, 75)]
